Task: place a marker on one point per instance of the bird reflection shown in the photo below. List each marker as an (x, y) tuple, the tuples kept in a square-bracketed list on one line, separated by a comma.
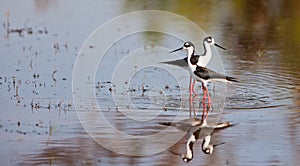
[(197, 129)]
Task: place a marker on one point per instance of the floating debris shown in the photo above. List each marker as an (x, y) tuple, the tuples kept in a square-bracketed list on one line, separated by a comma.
[(54, 79), (8, 87), (20, 31), (167, 87), (59, 105), (35, 75), (70, 105), (14, 81), (131, 90), (30, 64), (31, 104), (49, 106), (65, 45), (56, 47)]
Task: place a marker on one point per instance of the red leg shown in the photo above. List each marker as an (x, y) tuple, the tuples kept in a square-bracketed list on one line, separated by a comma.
[(204, 93), (190, 88), (193, 86), (193, 90), (191, 107), (204, 112), (203, 87), (209, 101)]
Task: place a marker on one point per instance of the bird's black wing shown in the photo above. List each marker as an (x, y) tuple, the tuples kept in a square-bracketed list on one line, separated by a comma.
[(206, 74), (179, 62)]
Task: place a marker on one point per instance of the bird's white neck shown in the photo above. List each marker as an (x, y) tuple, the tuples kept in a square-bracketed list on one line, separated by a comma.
[(189, 151), (207, 49), (192, 68), (190, 52), (206, 142)]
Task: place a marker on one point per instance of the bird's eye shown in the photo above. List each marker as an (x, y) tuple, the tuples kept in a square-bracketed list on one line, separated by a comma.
[(207, 151), (187, 159), (186, 44), (209, 39)]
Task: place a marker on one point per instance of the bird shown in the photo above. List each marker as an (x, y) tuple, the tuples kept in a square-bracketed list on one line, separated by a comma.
[(208, 148), (206, 75), (197, 70), (194, 59), (195, 132), (197, 129)]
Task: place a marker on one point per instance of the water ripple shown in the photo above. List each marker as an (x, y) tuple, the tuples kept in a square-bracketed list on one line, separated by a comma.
[(262, 88)]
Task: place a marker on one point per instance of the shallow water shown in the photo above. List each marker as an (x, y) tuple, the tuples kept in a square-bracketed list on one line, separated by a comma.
[(40, 125)]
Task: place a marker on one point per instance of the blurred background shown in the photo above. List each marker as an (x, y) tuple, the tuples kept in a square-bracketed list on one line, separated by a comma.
[(39, 43)]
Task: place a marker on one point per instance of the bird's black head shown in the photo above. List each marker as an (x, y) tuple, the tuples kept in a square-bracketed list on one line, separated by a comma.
[(186, 159), (211, 41), (208, 150), (187, 45)]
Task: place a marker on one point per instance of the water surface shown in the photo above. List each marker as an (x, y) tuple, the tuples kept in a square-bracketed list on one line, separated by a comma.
[(39, 124)]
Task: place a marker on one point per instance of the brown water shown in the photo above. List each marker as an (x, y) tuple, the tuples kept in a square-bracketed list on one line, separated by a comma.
[(39, 125)]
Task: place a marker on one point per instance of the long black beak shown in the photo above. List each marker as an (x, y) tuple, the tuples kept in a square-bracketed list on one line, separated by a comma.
[(219, 144), (219, 46), (176, 50)]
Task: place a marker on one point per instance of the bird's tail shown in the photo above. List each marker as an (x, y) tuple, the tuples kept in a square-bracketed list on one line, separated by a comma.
[(232, 79), (165, 123), (223, 125)]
